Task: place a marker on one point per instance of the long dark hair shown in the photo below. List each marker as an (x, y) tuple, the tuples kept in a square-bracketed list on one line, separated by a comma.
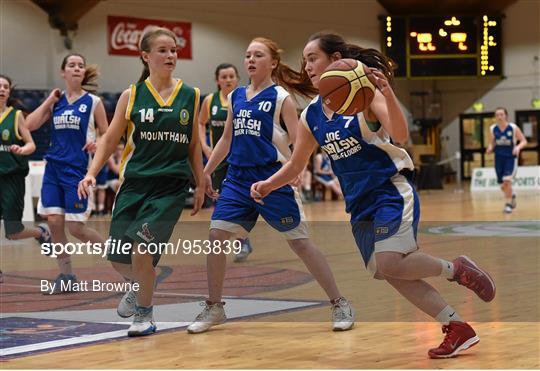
[(146, 46), (284, 75), (91, 73), (331, 42), (224, 66), (10, 101)]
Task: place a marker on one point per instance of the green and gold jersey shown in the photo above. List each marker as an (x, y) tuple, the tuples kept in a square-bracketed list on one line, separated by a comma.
[(218, 109), (217, 115), (159, 132), (11, 163)]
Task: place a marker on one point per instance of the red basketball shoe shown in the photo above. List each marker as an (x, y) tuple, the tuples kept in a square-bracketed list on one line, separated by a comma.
[(459, 336), (468, 274)]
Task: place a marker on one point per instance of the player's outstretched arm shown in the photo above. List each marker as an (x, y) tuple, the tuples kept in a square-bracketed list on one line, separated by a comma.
[(41, 114), (304, 146), (107, 144)]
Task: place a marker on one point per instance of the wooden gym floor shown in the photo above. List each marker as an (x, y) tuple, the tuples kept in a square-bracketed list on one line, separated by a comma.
[(389, 332)]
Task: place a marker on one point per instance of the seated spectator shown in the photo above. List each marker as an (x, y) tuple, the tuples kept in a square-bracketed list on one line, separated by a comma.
[(322, 172)]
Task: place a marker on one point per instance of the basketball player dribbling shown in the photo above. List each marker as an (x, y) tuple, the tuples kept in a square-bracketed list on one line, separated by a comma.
[(375, 177)]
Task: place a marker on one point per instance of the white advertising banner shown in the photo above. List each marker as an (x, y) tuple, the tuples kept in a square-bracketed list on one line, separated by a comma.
[(485, 179)]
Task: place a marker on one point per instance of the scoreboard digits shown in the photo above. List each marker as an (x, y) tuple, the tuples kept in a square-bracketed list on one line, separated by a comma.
[(443, 46)]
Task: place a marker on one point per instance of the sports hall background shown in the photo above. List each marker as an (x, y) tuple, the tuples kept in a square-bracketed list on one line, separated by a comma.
[(31, 52)]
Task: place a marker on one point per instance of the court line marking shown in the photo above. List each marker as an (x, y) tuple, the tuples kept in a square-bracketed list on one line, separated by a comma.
[(55, 345)]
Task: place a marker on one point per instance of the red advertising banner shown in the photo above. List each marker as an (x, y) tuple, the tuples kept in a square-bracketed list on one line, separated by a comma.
[(124, 34)]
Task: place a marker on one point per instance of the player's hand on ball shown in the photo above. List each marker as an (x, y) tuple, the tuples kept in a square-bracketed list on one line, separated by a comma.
[(381, 81), (198, 200), (84, 185)]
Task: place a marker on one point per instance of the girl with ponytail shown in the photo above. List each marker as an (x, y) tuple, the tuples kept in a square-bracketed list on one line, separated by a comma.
[(159, 117), (77, 115), (376, 179), (257, 146)]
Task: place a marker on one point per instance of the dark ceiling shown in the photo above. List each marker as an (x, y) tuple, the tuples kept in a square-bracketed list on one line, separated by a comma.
[(64, 15)]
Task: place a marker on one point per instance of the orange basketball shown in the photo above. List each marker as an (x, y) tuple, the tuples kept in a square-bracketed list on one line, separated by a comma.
[(347, 86)]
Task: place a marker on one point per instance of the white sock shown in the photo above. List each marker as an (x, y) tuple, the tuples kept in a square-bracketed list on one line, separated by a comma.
[(65, 265), (448, 314), (447, 269)]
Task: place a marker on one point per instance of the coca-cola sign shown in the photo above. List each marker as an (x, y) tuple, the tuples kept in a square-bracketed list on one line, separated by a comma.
[(124, 34)]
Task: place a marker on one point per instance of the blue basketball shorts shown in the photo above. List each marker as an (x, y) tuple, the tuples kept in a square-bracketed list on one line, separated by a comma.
[(505, 167), (237, 212), (386, 219), (59, 193)]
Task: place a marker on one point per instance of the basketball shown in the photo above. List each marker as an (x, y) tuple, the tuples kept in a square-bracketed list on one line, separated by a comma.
[(347, 87)]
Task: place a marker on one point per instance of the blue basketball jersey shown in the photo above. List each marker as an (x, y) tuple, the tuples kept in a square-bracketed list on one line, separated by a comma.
[(72, 127), (361, 154), (505, 140), (258, 138)]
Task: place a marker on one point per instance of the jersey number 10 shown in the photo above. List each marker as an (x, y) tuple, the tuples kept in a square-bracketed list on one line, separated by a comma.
[(265, 106)]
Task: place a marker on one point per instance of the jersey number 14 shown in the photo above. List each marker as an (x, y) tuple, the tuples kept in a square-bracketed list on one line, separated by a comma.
[(147, 115)]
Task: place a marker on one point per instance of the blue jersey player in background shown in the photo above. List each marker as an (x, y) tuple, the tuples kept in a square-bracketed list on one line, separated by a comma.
[(76, 116), (375, 177), (258, 144), (503, 140)]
